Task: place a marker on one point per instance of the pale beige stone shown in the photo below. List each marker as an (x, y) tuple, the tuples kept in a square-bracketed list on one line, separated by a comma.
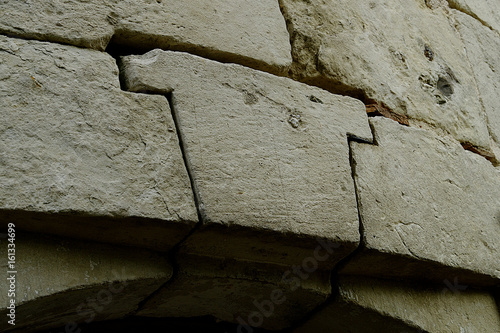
[(400, 53), (483, 47), (269, 159), (429, 209), (366, 305), (484, 11), (80, 157), (62, 281), (252, 33), (268, 156)]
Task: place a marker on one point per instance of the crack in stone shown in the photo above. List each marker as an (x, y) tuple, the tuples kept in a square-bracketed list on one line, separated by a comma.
[(406, 246), (456, 6)]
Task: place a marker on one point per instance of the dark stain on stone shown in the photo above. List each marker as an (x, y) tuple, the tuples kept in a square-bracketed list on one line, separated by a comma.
[(490, 156), (428, 53), (445, 86), (249, 98), (380, 109), (315, 99)]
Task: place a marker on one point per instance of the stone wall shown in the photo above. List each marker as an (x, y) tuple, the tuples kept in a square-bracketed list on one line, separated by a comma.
[(292, 165)]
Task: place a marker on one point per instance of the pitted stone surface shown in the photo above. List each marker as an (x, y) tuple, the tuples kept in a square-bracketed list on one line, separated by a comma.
[(60, 281), (268, 156), (429, 209), (400, 53), (81, 157), (253, 33), (483, 47), (371, 306)]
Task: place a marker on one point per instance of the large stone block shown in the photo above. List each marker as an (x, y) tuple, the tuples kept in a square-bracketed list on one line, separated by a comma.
[(367, 305), (68, 282), (269, 160), (248, 294), (483, 47), (82, 158), (252, 33), (429, 209), (268, 156), (400, 53)]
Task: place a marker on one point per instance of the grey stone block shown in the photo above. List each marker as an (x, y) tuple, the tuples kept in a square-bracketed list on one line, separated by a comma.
[(82, 158)]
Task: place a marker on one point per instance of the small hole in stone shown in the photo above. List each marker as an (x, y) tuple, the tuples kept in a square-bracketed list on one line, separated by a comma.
[(315, 99), (428, 53), (294, 120), (445, 87)]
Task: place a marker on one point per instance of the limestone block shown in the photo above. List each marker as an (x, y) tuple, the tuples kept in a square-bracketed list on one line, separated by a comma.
[(268, 156), (64, 281), (400, 53), (80, 157), (252, 33), (269, 160), (244, 293), (483, 47), (371, 306), (484, 11), (429, 209)]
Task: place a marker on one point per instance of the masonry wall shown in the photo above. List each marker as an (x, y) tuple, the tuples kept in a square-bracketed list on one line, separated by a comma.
[(293, 165)]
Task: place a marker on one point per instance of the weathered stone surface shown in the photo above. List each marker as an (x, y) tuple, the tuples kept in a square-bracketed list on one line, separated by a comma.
[(429, 209), (269, 160), (80, 157), (372, 306), (400, 53), (245, 293), (252, 33), (485, 11), (483, 47), (60, 281), (268, 156)]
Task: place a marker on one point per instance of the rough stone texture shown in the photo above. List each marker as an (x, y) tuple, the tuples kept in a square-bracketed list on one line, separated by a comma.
[(269, 159), (81, 157), (485, 11), (400, 53), (483, 47), (433, 4), (234, 291), (58, 280), (265, 153), (253, 33), (428, 207), (373, 306)]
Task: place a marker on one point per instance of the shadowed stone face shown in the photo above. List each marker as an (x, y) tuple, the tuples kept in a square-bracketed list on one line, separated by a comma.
[(371, 306), (67, 281)]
